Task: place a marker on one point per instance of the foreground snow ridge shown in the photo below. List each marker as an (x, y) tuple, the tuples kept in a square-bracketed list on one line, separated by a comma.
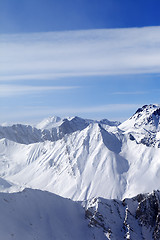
[(34, 214)]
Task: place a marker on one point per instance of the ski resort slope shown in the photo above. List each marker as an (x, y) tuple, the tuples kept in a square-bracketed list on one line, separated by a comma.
[(88, 158)]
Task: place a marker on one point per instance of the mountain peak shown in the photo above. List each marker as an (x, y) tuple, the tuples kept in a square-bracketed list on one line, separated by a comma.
[(147, 110), (49, 123), (144, 125), (146, 117)]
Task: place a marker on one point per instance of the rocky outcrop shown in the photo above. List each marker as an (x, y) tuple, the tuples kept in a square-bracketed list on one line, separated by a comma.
[(144, 126), (135, 218)]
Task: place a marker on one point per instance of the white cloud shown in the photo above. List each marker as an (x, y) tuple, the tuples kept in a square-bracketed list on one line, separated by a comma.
[(79, 53), (14, 90)]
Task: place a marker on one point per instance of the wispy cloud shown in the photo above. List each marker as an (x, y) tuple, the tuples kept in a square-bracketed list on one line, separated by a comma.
[(130, 93), (79, 53), (11, 90), (150, 91)]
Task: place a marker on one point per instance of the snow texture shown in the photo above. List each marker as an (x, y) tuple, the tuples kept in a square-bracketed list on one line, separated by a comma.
[(81, 159), (84, 160), (34, 214)]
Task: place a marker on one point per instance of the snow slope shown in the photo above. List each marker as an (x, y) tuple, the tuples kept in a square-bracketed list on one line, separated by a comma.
[(80, 159), (34, 214), (74, 166), (83, 160)]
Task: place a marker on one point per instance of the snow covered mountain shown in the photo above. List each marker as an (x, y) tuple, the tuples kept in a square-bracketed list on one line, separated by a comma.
[(34, 214), (50, 129), (144, 125), (81, 159), (85, 160)]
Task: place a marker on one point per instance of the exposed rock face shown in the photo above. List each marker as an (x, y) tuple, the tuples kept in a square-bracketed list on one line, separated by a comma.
[(148, 213), (135, 218)]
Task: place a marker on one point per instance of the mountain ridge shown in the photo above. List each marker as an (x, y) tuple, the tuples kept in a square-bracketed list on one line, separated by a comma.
[(36, 214), (51, 129), (99, 166), (83, 159)]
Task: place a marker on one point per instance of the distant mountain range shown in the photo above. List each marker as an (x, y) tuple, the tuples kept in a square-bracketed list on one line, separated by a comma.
[(87, 160)]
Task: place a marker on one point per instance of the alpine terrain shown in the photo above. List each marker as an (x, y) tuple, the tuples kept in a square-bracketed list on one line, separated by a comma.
[(105, 173)]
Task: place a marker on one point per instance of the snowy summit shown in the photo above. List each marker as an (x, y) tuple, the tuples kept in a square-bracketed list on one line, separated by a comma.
[(83, 159)]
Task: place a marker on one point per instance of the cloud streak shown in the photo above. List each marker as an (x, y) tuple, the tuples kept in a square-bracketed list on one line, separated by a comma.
[(130, 93), (14, 90), (79, 53)]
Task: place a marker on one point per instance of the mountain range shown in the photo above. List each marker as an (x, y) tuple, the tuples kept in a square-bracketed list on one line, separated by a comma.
[(87, 161)]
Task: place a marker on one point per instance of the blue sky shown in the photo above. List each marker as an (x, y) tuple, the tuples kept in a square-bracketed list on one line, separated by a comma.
[(95, 59)]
